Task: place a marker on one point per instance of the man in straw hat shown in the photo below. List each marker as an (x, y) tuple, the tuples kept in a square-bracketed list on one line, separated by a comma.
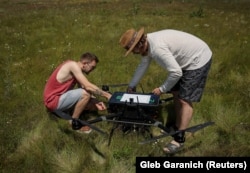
[(185, 57)]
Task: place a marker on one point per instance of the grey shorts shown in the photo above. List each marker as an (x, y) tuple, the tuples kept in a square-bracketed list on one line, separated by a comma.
[(192, 83), (69, 99)]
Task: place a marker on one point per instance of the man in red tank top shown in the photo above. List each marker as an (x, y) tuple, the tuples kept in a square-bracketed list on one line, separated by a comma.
[(60, 92)]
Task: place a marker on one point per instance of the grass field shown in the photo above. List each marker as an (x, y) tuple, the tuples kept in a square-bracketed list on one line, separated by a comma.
[(37, 35)]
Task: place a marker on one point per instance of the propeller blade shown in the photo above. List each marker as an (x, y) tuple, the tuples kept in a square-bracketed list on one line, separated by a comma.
[(198, 127), (190, 129), (85, 123), (91, 126)]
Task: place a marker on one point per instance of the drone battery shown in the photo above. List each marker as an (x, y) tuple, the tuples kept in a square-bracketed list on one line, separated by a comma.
[(133, 104)]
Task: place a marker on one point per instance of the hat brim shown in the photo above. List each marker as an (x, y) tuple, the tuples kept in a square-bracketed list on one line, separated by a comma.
[(138, 37)]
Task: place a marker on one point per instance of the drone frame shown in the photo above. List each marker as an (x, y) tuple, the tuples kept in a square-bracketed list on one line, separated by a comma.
[(142, 119)]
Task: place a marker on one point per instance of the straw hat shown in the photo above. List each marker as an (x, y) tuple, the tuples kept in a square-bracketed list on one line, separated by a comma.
[(130, 38)]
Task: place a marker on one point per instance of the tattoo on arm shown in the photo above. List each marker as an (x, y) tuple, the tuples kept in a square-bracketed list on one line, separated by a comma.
[(98, 92)]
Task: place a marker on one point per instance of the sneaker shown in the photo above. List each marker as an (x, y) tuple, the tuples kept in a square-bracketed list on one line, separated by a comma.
[(84, 129)]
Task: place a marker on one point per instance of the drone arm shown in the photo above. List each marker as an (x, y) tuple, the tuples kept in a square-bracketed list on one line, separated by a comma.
[(190, 129), (83, 123), (166, 100), (159, 124), (103, 118)]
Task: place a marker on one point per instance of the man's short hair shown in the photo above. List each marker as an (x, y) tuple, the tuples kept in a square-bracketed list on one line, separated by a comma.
[(89, 56)]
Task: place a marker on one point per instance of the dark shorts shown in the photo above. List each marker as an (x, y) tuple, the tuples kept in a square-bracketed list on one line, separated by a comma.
[(192, 83)]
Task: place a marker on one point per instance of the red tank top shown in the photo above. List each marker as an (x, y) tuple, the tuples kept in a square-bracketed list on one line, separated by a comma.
[(53, 89)]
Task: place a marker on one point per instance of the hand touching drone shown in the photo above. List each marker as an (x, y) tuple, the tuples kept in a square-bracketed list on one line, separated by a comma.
[(100, 106), (157, 91)]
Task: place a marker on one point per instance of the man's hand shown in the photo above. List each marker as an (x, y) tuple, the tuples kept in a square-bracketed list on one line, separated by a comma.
[(156, 91), (109, 96), (100, 106)]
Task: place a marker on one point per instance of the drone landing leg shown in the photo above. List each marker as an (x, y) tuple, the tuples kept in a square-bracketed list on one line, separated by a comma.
[(115, 126), (145, 131)]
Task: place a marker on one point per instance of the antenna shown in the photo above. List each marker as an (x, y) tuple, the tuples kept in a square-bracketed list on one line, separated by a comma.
[(141, 88)]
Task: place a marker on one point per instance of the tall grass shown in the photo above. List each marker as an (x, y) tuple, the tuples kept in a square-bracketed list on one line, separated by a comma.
[(38, 35)]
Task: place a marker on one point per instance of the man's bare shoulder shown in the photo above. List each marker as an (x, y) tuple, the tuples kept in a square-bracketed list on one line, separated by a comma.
[(70, 64), (66, 70)]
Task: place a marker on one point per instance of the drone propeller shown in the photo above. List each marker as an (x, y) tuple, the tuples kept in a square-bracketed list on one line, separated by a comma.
[(84, 123), (190, 129)]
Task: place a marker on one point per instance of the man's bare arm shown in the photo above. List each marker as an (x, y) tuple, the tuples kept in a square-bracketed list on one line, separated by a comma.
[(85, 83)]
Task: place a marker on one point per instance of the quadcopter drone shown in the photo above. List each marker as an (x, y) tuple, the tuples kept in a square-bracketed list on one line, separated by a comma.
[(132, 112)]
